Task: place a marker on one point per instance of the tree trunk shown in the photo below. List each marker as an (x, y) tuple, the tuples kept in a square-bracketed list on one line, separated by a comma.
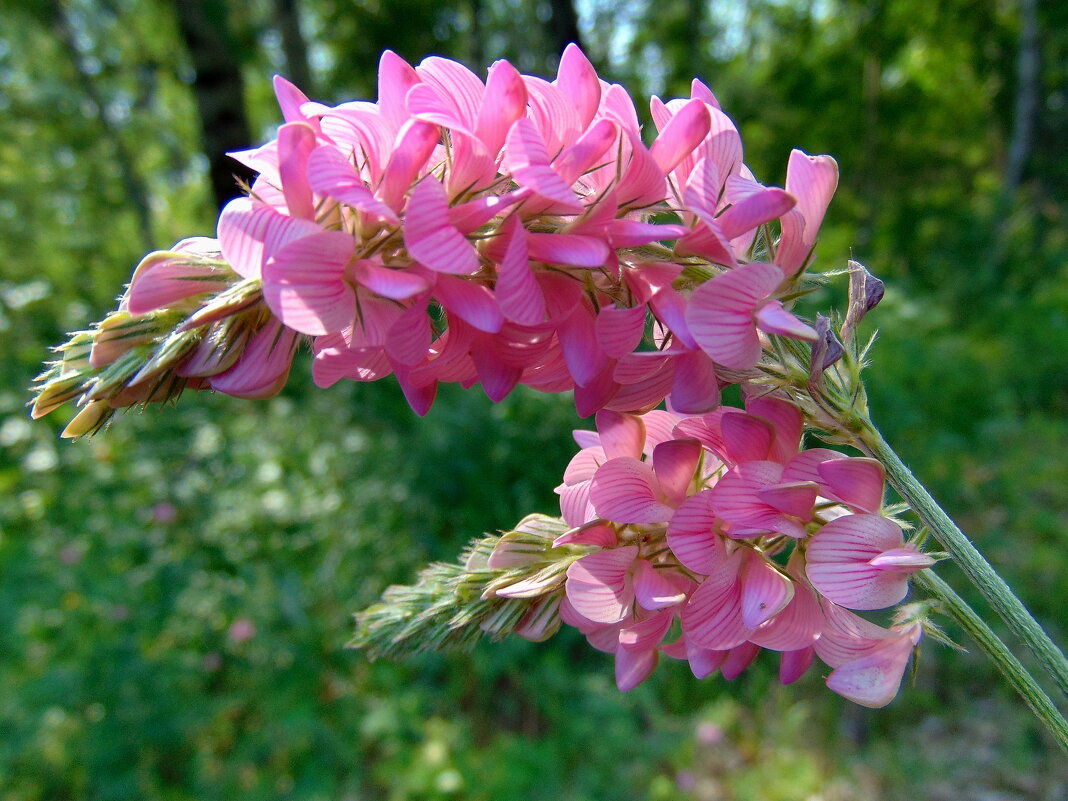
[(219, 91), (563, 26), (287, 19)]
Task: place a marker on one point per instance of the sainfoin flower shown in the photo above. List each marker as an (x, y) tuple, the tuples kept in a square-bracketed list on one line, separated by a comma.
[(500, 231), (721, 529)]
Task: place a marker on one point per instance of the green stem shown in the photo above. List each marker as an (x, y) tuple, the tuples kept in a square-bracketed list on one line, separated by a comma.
[(1009, 666), (975, 567)]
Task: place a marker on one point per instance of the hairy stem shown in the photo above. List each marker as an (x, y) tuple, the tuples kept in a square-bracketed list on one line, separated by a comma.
[(1007, 664)]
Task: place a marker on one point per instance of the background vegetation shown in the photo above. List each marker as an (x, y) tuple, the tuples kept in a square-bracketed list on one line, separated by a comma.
[(177, 592)]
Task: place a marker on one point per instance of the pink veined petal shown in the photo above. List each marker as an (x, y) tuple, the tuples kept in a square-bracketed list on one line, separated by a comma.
[(633, 667), (264, 366), (249, 232), (596, 533), (420, 397), (585, 153), (577, 81), (643, 182), (634, 367), (670, 309), (857, 481), (334, 360), (681, 135), (755, 210), (578, 339), (599, 586), (699, 90), (746, 438), (505, 101), (873, 679), (704, 186), (456, 82), (854, 537), (469, 217), (720, 315), (799, 625), (765, 591), (296, 140), (498, 379), (695, 389), (330, 174), (619, 331), (794, 664), (471, 302), (430, 104), (692, 537), (617, 104), (409, 337), (847, 636), (473, 166), (736, 501), (620, 434), (553, 115), (804, 466), (542, 621), (707, 430), (774, 319), (575, 506), (162, 280), (857, 585), (625, 490), (414, 144), (585, 439), (738, 659), (389, 282), (659, 427), (704, 661), (724, 144), (359, 132), (812, 180), (429, 236), (527, 159), (652, 591), (787, 422), (518, 293), (584, 464), (304, 284), (674, 463), (646, 635), (290, 99), (395, 77), (574, 250), (797, 499), (642, 396), (902, 560), (375, 320), (632, 234), (712, 618)]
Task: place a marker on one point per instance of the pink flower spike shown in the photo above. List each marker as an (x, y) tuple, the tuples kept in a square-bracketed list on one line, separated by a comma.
[(681, 135), (721, 313), (620, 434), (841, 564), (577, 81), (874, 679), (625, 490), (652, 591), (304, 283), (774, 319), (429, 235), (599, 587)]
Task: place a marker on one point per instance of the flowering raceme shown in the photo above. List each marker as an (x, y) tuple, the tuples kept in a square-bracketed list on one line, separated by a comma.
[(512, 231)]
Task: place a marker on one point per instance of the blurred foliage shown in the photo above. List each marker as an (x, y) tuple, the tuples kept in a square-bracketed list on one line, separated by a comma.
[(178, 591)]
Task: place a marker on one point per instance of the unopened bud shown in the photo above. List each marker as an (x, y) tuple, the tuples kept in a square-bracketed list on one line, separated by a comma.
[(865, 292), (826, 350)]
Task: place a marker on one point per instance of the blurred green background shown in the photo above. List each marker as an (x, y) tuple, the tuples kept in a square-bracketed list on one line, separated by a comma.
[(176, 593)]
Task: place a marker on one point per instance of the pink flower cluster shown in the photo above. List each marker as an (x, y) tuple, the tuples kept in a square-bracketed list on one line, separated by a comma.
[(507, 231), (720, 523)]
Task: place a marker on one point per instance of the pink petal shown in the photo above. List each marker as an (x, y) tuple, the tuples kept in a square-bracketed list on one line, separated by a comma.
[(415, 143), (164, 279), (497, 378), (674, 463), (857, 481), (429, 236), (633, 667), (598, 585), (469, 301), (847, 636), (389, 282), (249, 232), (704, 661), (527, 159), (409, 336), (681, 135), (619, 330), (504, 102), (691, 534), (575, 250), (518, 292), (652, 591), (578, 338), (646, 635), (542, 621), (625, 490), (304, 284), (874, 679), (596, 393), (794, 664), (290, 99), (720, 313), (765, 591), (296, 140), (796, 500), (774, 319), (753, 211), (857, 585), (797, 626), (331, 175), (812, 180), (594, 144), (264, 365), (699, 90), (395, 77), (553, 115), (643, 182), (620, 434), (598, 533), (695, 389), (738, 659), (420, 397), (787, 421), (577, 81), (659, 427), (745, 438), (575, 506), (463, 89), (712, 618), (902, 560)]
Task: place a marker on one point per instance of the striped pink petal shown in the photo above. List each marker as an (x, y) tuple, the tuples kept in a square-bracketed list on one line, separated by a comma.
[(704, 661), (620, 434), (455, 83), (812, 180), (625, 490), (409, 336), (578, 339), (577, 80), (645, 635), (797, 626), (712, 618), (595, 533), (738, 659), (471, 302), (304, 283), (592, 147), (575, 250), (794, 664), (696, 388), (847, 636), (264, 365), (691, 534), (755, 210), (856, 481), (674, 463), (765, 591), (720, 315), (554, 116), (431, 238), (787, 422), (619, 330), (794, 499), (518, 293), (774, 319), (681, 135), (874, 679), (331, 175), (839, 562), (599, 586), (652, 591), (414, 144), (164, 279), (296, 140), (498, 378), (745, 438), (633, 667), (504, 102), (389, 282), (395, 77), (527, 159), (249, 232)]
